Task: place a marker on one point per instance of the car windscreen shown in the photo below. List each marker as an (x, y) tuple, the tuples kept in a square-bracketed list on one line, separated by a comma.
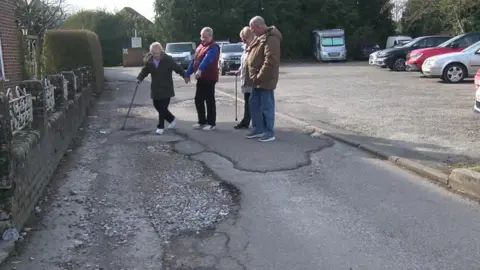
[(178, 47), (473, 47), (409, 44), (333, 41), (237, 48)]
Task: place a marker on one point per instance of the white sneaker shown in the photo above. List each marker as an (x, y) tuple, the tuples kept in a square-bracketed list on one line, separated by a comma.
[(172, 124), (198, 126), (159, 131), (208, 128)]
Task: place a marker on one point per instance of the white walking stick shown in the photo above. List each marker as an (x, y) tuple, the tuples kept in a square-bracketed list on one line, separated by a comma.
[(236, 99)]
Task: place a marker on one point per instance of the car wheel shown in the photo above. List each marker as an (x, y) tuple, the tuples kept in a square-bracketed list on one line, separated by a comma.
[(454, 73), (399, 64)]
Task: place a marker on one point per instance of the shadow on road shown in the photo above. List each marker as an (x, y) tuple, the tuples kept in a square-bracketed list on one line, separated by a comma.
[(432, 155)]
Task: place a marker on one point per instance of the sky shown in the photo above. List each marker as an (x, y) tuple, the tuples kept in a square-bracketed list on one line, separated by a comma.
[(144, 7)]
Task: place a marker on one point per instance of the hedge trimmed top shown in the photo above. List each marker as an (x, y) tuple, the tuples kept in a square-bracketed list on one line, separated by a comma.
[(70, 49)]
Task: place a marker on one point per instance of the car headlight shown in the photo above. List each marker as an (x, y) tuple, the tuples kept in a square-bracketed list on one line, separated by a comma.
[(429, 63)]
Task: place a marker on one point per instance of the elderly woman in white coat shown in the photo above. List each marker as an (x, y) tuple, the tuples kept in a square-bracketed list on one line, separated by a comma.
[(247, 37)]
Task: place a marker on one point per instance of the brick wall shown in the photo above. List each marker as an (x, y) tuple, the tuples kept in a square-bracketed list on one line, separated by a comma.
[(37, 158), (34, 153), (10, 37)]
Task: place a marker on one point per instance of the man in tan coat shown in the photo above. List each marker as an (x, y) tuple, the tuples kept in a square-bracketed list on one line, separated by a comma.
[(263, 63)]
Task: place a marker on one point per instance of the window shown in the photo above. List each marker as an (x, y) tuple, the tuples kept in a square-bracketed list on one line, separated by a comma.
[(421, 43), (178, 47), (332, 41), (440, 40), (465, 41), (431, 42), (237, 48), (2, 67)]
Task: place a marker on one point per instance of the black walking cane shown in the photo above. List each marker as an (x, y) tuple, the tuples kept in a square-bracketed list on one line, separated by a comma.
[(236, 98), (130, 107)]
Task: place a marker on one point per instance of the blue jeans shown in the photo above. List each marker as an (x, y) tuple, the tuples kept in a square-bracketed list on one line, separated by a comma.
[(262, 110)]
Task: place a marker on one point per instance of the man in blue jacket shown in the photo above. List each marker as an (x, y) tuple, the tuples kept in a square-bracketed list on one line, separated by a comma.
[(205, 67)]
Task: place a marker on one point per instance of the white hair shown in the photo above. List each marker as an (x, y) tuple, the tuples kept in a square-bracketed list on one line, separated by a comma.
[(156, 47), (208, 31)]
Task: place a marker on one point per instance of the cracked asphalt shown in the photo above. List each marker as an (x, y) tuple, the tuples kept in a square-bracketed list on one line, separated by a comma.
[(191, 199), (412, 117)]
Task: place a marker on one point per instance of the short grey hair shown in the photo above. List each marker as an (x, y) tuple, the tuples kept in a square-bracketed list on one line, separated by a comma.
[(156, 46), (207, 30), (259, 21)]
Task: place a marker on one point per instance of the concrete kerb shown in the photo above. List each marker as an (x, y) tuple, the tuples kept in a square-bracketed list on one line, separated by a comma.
[(464, 181)]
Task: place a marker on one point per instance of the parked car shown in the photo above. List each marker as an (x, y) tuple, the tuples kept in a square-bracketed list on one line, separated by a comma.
[(395, 58), (222, 42), (477, 79), (454, 67), (230, 55), (181, 52), (373, 56), (363, 51), (477, 94), (416, 58)]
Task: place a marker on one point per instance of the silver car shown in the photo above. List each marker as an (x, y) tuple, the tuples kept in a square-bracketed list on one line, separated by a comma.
[(181, 52), (230, 55), (454, 67)]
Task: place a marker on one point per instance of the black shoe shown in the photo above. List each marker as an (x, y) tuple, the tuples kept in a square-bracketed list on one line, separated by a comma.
[(240, 126)]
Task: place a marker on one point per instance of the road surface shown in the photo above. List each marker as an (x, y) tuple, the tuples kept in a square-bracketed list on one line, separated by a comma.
[(305, 202)]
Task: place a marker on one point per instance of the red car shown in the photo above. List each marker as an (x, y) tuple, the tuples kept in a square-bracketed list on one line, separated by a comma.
[(416, 58), (477, 79), (477, 94)]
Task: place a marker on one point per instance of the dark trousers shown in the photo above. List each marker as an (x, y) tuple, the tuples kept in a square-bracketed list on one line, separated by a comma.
[(246, 114), (161, 105), (205, 94)]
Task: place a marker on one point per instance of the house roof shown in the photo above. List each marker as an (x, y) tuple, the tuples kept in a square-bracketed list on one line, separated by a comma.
[(133, 13)]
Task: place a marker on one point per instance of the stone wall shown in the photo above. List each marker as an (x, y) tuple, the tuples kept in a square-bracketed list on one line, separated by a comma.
[(36, 128)]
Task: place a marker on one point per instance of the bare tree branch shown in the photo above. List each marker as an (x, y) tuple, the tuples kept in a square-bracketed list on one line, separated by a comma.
[(39, 16)]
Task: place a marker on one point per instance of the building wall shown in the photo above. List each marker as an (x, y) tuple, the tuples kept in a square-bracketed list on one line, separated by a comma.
[(134, 57), (10, 38)]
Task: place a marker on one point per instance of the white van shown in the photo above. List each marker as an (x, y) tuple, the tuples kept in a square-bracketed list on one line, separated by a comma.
[(393, 41)]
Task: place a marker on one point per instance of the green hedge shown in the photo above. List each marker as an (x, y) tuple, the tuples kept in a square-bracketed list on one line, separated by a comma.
[(70, 49)]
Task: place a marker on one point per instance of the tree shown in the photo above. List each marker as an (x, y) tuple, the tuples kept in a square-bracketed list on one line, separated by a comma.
[(38, 16), (114, 30), (434, 16), (182, 20)]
